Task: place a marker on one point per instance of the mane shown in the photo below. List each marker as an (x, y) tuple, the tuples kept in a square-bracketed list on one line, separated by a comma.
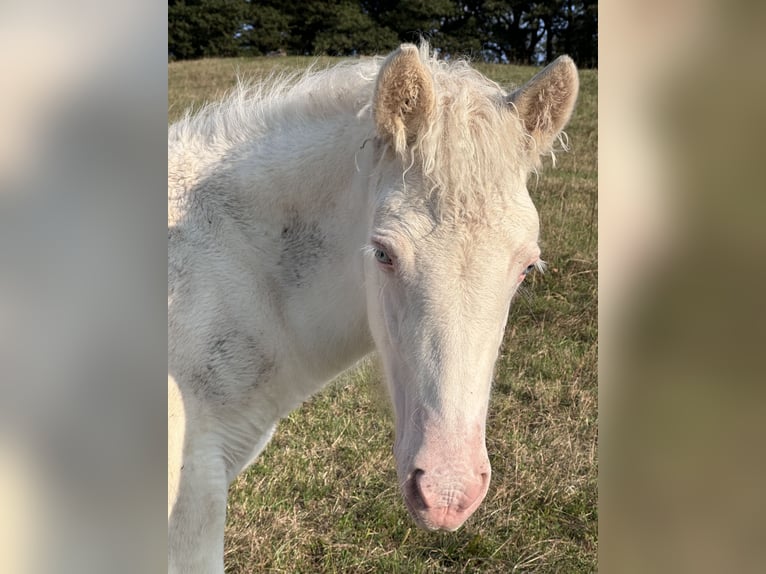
[(473, 134), (253, 108)]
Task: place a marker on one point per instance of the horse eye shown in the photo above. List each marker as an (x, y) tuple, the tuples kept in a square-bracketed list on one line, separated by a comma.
[(529, 269), (383, 257)]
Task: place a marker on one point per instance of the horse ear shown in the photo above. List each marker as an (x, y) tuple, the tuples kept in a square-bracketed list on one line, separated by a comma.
[(545, 103), (404, 97)]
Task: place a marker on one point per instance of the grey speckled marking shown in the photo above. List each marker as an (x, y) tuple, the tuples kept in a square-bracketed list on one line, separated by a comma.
[(233, 363), (302, 246)]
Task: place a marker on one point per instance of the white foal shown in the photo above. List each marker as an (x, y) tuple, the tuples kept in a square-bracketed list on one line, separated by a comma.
[(375, 205)]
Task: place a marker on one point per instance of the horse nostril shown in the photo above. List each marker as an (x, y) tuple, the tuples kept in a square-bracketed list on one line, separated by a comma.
[(414, 492)]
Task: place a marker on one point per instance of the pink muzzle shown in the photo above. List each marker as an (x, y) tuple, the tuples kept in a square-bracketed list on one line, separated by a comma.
[(446, 480)]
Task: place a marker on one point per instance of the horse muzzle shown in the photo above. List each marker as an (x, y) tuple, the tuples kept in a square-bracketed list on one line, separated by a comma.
[(444, 475), (440, 500)]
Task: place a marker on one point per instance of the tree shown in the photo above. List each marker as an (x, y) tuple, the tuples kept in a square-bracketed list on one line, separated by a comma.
[(347, 30), (200, 28), (463, 31), (580, 39), (338, 27), (267, 29), (520, 31), (411, 19)]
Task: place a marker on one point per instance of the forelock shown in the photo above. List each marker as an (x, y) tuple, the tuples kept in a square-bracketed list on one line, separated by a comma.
[(471, 147)]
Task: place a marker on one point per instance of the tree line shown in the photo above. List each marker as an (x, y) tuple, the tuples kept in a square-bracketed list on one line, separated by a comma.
[(514, 31)]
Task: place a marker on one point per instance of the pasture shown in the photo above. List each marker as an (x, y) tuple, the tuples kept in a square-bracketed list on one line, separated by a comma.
[(324, 495)]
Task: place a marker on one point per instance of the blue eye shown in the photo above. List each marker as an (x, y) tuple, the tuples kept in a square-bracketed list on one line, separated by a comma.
[(529, 269), (382, 257)]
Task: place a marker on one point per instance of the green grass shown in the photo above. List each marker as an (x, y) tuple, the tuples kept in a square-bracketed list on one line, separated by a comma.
[(323, 497)]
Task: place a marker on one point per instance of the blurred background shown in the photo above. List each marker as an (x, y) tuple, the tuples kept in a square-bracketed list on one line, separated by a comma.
[(681, 256), (82, 253), (83, 166)]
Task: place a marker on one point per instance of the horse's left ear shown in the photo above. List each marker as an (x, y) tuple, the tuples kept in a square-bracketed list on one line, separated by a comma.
[(545, 103), (404, 98)]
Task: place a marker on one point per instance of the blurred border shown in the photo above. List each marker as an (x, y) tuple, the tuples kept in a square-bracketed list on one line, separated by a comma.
[(681, 326), (83, 116)]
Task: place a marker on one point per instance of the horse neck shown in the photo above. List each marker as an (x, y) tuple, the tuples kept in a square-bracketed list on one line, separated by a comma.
[(315, 192)]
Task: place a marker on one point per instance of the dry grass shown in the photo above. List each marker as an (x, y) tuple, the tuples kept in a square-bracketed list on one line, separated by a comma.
[(323, 497)]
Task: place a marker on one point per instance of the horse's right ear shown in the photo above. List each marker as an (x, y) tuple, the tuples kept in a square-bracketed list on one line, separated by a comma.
[(404, 98), (545, 103)]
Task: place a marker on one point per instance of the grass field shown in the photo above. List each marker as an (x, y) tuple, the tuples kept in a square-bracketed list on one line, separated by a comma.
[(324, 498)]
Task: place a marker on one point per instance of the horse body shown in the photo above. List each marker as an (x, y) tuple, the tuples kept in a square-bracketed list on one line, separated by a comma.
[(380, 205)]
